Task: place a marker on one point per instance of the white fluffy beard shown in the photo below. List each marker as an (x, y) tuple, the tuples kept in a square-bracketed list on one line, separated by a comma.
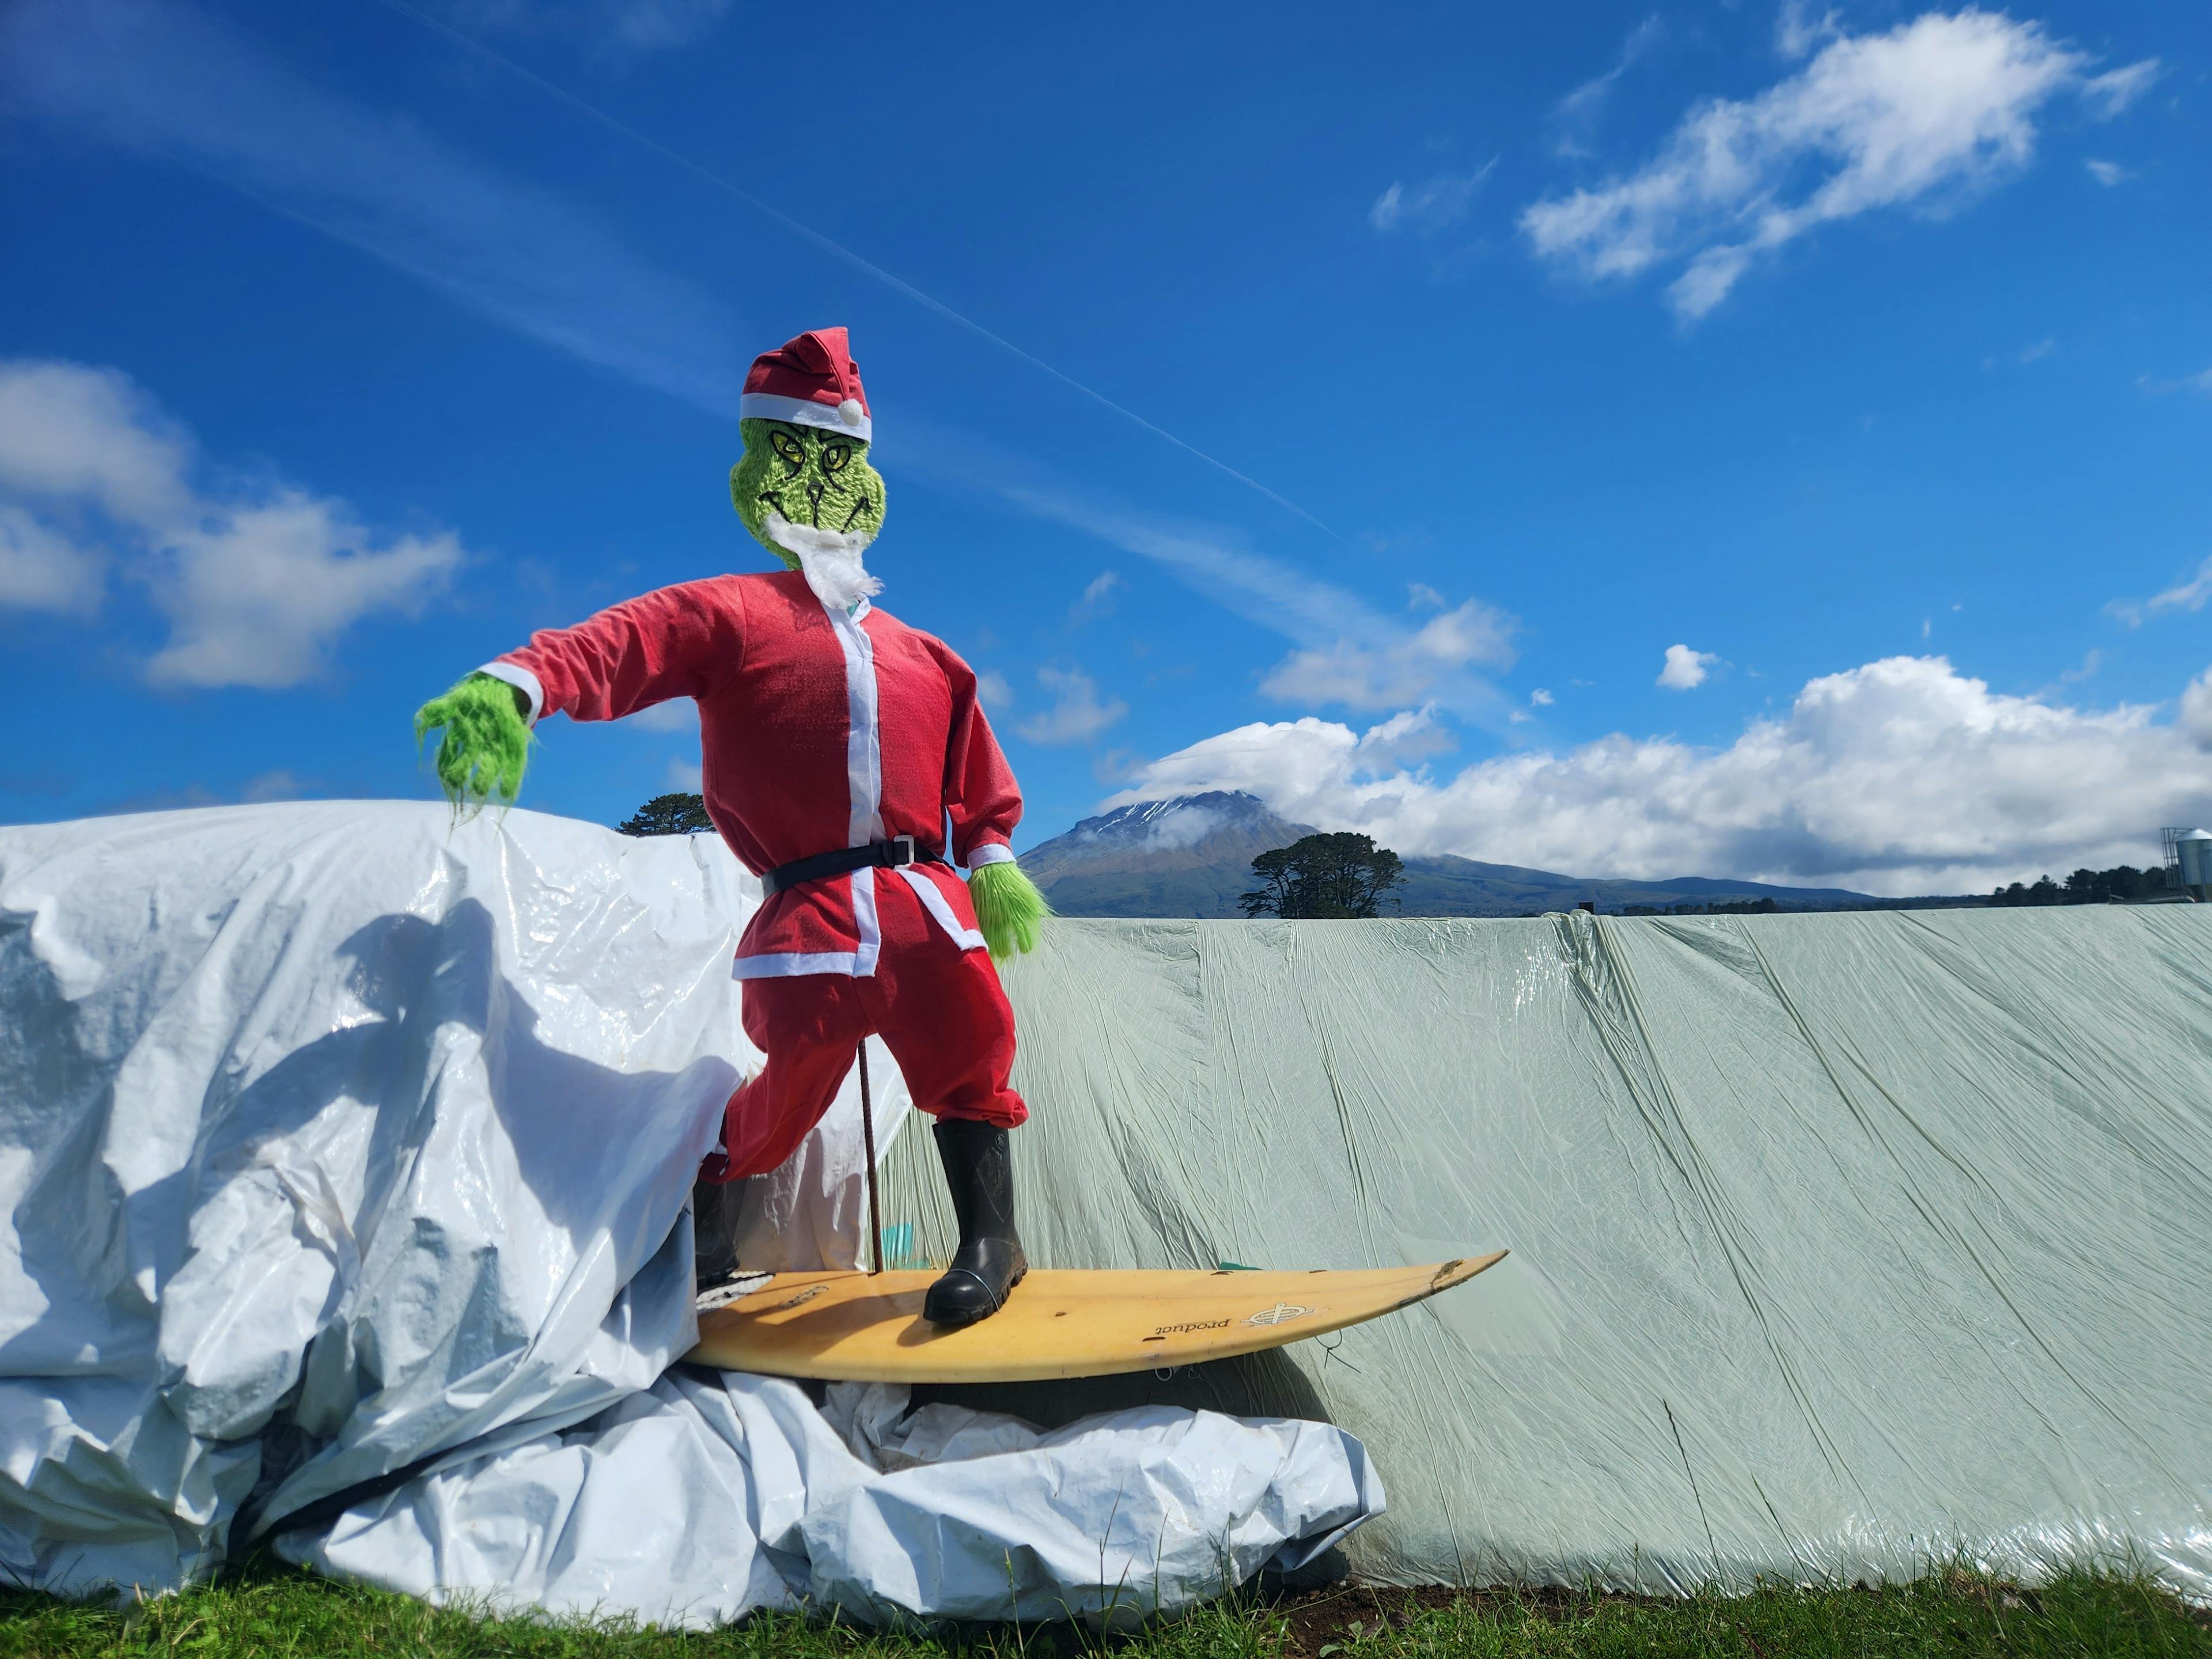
[(830, 559)]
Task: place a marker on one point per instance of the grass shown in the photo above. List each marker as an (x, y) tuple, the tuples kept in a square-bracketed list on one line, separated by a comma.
[(265, 1612)]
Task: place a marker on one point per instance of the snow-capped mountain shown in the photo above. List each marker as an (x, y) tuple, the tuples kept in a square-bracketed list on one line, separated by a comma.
[(1190, 856)]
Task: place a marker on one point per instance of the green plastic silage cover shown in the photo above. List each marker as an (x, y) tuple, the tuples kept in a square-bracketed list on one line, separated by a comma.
[(1842, 1246)]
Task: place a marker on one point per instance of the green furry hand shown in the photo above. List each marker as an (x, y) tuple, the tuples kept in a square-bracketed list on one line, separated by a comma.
[(486, 745), (1008, 907)]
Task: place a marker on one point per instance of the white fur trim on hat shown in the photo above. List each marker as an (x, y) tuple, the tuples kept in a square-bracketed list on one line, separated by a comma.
[(804, 412)]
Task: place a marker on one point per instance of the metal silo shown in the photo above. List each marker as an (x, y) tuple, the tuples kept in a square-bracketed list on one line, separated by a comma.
[(2194, 847)]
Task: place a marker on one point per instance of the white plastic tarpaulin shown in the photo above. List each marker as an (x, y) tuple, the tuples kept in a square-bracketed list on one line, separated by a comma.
[(343, 1166), (708, 1495), (1841, 1244)]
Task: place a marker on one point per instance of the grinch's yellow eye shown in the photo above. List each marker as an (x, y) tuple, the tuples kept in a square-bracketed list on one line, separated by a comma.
[(835, 457), (793, 454)]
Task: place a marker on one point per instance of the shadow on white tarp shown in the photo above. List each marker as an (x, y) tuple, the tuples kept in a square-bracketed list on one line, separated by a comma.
[(344, 1158)]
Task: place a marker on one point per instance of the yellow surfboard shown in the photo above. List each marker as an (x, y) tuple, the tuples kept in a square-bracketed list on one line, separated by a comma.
[(863, 1328)]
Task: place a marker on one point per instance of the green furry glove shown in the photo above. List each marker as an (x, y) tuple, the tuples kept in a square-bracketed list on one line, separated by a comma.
[(486, 742), (1008, 907)]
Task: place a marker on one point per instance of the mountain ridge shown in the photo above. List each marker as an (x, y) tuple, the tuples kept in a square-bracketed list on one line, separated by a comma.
[(1191, 855)]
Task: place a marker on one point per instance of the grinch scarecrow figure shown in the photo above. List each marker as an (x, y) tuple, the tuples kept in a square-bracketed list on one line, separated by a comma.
[(838, 746)]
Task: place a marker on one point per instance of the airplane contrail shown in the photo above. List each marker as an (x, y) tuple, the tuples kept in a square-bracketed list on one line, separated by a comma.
[(835, 248)]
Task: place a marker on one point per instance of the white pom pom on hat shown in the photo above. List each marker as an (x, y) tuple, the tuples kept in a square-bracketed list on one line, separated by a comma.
[(850, 411)]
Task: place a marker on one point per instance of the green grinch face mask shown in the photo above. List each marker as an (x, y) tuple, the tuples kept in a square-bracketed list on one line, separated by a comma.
[(813, 485)]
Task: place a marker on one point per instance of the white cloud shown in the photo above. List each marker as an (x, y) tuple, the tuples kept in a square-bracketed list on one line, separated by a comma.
[(2189, 595), (1098, 597), (2196, 720), (2200, 381), (1403, 669), (2091, 662), (686, 777), (677, 714), (256, 584), (1541, 698), (279, 785), (168, 82), (1900, 776), (1346, 651), (71, 431), (1577, 113), (1182, 826), (1472, 633), (990, 687), (1407, 737), (1685, 669), (2114, 90), (1433, 204), (1920, 116), (630, 27), (256, 595), (42, 570), (652, 25), (263, 786), (1075, 715), (1796, 31), (2107, 173)]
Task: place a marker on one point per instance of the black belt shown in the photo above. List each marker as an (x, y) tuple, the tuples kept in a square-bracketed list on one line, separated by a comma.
[(895, 854)]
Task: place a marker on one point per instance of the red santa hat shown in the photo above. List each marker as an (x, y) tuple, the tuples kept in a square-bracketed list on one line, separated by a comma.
[(811, 380)]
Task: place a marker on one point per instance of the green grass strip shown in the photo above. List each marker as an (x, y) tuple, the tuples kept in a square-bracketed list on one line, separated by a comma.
[(1952, 1615)]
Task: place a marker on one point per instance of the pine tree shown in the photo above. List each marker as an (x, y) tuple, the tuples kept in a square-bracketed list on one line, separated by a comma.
[(668, 815)]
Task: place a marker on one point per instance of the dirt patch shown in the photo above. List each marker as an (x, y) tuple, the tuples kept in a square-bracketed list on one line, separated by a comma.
[(1323, 1618)]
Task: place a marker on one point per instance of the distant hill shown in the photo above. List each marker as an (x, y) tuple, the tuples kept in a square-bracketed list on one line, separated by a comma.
[(1192, 856)]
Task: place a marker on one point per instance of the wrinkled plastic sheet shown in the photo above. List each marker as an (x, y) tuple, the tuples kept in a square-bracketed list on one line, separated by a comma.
[(1844, 1246), (862, 1507), (345, 1159)]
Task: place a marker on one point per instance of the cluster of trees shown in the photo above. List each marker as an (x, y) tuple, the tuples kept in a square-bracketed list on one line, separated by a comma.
[(1340, 875), (2121, 881), (668, 815)]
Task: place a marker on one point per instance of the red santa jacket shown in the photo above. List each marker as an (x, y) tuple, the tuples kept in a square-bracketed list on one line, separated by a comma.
[(818, 730)]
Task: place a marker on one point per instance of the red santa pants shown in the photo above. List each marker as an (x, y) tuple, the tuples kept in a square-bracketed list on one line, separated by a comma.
[(940, 1010)]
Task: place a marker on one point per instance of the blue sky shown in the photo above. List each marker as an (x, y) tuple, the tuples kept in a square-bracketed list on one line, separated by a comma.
[(1720, 439)]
